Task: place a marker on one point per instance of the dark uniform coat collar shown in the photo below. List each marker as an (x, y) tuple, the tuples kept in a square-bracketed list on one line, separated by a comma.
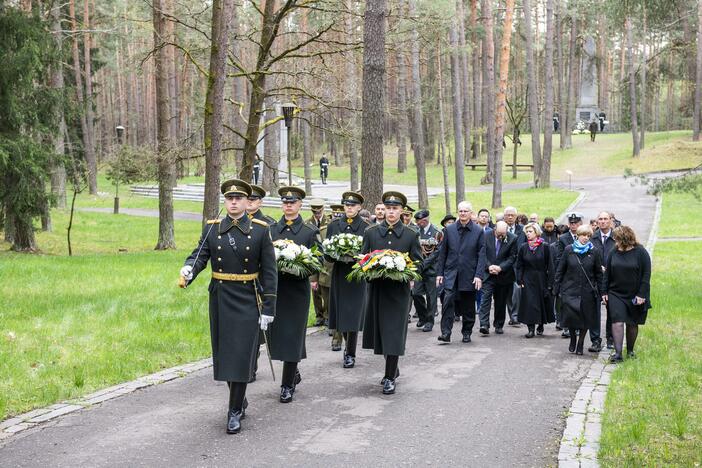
[(243, 224), (295, 226), (397, 229)]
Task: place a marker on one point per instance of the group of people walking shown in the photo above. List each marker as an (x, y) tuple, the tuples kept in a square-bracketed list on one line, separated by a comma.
[(531, 277)]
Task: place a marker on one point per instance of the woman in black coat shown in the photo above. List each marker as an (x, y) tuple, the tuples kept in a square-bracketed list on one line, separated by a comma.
[(533, 269), (287, 333), (627, 286), (579, 281)]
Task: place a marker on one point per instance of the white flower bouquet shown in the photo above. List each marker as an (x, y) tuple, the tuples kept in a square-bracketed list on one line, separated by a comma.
[(296, 260), (343, 247), (384, 264)]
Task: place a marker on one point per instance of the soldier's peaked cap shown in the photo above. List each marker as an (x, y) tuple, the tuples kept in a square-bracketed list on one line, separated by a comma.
[(394, 198), (353, 198), (236, 187), (257, 191), (291, 193)]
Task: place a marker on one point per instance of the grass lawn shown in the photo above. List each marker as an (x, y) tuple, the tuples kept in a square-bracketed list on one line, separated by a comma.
[(653, 411), (680, 216)]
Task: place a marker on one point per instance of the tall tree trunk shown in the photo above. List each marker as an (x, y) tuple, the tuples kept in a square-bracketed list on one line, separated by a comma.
[(477, 85), (560, 74), (489, 90), (697, 112), (351, 116), (457, 102), (89, 137), (644, 94), (568, 118), (271, 150), (58, 170), (306, 146), (545, 174), (402, 125), (465, 77), (632, 82), (214, 105), (533, 99), (417, 117), (163, 33), (373, 101), (442, 129), (501, 101)]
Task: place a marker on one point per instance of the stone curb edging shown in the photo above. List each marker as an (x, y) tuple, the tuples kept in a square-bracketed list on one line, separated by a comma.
[(22, 422), (581, 437), (572, 206)]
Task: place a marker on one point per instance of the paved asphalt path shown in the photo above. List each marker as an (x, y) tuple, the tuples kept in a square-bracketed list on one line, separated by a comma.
[(498, 401)]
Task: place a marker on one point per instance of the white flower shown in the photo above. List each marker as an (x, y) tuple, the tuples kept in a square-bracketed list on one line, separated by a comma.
[(400, 263)]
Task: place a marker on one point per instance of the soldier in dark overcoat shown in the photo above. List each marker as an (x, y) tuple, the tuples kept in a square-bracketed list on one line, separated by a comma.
[(424, 293), (254, 206), (242, 291), (288, 332), (346, 298), (385, 329)]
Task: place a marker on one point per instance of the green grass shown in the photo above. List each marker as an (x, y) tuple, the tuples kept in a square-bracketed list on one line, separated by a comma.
[(653, 411), (680, 216)]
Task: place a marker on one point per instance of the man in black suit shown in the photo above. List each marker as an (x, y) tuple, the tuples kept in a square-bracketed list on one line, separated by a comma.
[(500, 255), (602, 239), (513, 227), (459, 267), (575, 220)]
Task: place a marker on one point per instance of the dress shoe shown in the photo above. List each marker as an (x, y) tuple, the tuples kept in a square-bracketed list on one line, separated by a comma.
[(349, 361), (631, 355), (579, 350), (457, 318), (565, 334), (614, 359), (420, 323), (389, 387), (596, 347), (286, 394), (499, 331), (298, 378), (610, 344), (484, 331), (512, 322), (540, 329), (444, 338), (530, 334), (428, 327), (336, 347), (466, 339), (397, 374), (234, 421), (571, 347)]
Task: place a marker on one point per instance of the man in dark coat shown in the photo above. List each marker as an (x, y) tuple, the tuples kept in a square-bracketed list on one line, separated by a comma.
[(323, 168), (346, 298), (424, 291), (318, 219), (242, 292), (513, 227), (575, 220), (459, 267), (385, 329), (254, 206), (602, 239), (288, 332), (548, 231), (500, 254)]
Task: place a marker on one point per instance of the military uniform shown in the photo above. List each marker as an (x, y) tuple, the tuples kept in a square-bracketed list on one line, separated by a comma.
[(424, 294), (346, 298), (320, 305), (242, 290), (387, 301)]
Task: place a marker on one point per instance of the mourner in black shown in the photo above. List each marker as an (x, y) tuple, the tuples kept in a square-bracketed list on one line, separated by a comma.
[(254, 206), (323, 168), (534, 277), (288, 333), (346, 298), (579, 283), (513, 227), (459, 267), (549, 232), (386, 308), (256, 170), (575, 220), (242, 292), (628, 289), (500, 255), (424, 293), (603, 240)]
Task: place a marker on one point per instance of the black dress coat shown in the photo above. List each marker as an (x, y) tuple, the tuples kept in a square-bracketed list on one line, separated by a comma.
[(346, 298), (388, 301), (262, 217), (288, 331), (241, 247), (504, 259), (627, 275), (534, 273), (580, 288), (461, 256)]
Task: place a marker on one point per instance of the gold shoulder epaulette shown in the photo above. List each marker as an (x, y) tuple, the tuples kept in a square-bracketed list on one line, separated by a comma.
[(372, 226), (258, 221), (213, 221)]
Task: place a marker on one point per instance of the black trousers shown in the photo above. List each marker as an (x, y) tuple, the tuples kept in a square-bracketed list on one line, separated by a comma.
[(499, 294), (424, 297), (461, 303)]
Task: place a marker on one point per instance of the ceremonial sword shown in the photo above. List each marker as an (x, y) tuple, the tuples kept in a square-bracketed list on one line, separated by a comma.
[(182, 282)]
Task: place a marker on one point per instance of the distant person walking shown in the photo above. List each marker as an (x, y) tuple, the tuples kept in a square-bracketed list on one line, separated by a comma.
[(324, 168), (593, 130)]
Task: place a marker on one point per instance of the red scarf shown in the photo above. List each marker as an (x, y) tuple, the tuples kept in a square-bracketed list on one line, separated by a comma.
[(535, 243)]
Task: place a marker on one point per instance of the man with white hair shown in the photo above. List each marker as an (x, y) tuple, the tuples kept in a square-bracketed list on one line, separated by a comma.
[(459, 267), (513, 227)]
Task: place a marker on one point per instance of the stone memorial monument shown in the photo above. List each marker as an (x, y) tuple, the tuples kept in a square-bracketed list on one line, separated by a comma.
[(587, 110)]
